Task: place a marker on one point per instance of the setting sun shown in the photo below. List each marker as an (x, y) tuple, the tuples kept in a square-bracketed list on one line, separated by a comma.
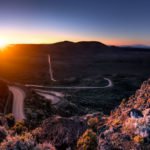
[(3, 44)]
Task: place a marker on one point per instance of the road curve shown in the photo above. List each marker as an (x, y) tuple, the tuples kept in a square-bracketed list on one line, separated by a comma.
[(54, 99), (54, 93), (110, 84), (18, 102)]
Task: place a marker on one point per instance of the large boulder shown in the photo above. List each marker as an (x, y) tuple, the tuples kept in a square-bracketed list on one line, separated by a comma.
[(62, 132)]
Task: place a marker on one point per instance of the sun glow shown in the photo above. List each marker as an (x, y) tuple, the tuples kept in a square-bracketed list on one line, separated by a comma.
[(3, 44)]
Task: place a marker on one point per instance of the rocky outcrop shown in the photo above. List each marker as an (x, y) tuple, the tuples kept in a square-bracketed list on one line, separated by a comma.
[(62, 132), (128, 126)]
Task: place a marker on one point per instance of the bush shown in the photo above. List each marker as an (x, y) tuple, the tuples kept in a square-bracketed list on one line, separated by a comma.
[(20, 127), (10, 120), (92, 123), (45, 146), (138, 139), (116, 122), (24, 142), (3, 133), (88, 141)]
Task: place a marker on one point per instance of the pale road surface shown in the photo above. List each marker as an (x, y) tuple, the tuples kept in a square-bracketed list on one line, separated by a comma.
[(58, 94), (53, 96), (19, 96), (54, 99), (18, 102), (50, 68), (110, 84)]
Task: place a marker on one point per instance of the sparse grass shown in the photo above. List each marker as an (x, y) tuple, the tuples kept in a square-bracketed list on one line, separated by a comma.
[(93, 122), (138, 139), (87, 141), (20, 127)]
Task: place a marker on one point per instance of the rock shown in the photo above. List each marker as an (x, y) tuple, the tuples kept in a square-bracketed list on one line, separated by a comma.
[(146, 112), (143, 131), (135, 113), (102, 129), (134, 121), (103, 145), (63, 132)]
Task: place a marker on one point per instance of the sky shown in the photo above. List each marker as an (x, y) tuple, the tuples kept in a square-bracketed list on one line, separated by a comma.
[(113, 22)]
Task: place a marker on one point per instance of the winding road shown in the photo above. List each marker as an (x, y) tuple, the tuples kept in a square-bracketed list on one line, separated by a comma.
[(50, 69), (55, 97), (58, 94), (110, 84), (18, 102)]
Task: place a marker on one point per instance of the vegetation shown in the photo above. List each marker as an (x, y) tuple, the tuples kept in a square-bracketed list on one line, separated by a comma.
[(117, 131), (20, 127), (93, 122), (138, 139), (3, 133), (88, 141), (10, 120)]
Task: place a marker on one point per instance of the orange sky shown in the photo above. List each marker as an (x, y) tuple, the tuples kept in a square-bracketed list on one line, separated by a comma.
[(16, 37)]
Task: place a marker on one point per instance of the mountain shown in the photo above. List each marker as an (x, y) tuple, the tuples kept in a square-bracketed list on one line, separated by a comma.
[(137, 46)]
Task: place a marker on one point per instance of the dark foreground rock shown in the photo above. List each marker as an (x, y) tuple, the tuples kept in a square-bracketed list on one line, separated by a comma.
[(62, 132)]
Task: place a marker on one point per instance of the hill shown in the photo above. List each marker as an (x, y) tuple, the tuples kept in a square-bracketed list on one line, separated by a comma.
[(128, 125), (79, 64), (71, 59)]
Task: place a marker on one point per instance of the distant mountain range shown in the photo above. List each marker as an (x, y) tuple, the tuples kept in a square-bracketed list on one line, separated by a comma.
[(137, 46), (84, 44)]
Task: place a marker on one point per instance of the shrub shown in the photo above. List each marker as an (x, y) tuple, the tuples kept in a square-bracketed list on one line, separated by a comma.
[(24, 142), (20, 127), (138, 139), (37, 134), (10, 120), (3, 133), (116, 122), (87, 141), (45, 146), (92, 123)]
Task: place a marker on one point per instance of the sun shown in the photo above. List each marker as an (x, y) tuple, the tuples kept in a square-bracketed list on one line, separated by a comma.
[(3, 44)]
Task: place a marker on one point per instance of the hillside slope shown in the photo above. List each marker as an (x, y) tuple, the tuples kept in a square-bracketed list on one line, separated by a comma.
[(128, 127)]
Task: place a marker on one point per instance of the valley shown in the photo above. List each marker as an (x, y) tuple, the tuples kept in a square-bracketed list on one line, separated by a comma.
[(92, 76), (64, 82)]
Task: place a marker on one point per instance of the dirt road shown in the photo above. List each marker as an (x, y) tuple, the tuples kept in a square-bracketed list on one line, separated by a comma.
[(18, 102)]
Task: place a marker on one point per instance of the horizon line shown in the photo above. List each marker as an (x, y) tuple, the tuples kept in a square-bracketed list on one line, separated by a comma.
[(48, 43)]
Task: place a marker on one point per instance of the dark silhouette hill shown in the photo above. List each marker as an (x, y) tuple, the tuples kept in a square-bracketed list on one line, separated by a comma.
[(73, 59)]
